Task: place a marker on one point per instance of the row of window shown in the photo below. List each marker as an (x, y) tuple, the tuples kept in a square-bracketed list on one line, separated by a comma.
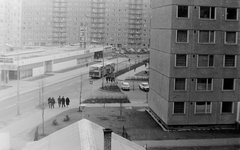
[(207, 12), (204, 84), (203, 108), (206, 61), (207, 37)]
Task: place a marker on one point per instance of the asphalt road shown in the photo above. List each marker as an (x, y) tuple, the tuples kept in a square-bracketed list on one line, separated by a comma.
[(68, 88)]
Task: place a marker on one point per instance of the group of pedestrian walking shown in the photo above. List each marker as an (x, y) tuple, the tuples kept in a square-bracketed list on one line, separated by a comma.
[(51, 102), (61, 102)]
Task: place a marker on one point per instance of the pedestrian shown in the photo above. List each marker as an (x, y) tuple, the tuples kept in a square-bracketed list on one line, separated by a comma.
[(63, 102), (49, 102), (53, 102), (59, 101), (67, 101), (86, 64)]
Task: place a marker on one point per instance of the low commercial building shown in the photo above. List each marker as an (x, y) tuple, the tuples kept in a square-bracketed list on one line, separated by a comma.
[(35, 62)]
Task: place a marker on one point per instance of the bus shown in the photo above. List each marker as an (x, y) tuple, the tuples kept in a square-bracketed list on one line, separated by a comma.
[(98, 70), (98, 56)]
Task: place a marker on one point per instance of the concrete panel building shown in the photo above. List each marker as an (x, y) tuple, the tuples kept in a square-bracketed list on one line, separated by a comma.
[(194, 65), (59, 22)]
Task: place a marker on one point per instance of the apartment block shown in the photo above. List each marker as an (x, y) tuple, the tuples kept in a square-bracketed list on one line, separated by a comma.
[(109, 22), (10, 24), (194, 65)]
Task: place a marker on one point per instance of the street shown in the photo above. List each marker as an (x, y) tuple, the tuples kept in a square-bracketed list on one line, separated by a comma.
[(68, 88)]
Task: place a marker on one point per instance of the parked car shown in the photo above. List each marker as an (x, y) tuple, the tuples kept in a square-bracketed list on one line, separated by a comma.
[(144, 86), (125, 86)]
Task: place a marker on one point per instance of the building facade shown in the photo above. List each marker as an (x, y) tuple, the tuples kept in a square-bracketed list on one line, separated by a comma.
[(194, 65), (59, 22), (10, 24)]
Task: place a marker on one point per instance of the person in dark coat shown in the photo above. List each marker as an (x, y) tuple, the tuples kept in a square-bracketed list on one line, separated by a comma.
[(59, 101), (49, 102), (67, 101), (63, 102), (53, 102)]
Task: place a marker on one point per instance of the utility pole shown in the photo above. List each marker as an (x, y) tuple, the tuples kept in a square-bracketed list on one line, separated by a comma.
[(103, 70), (80, 94)]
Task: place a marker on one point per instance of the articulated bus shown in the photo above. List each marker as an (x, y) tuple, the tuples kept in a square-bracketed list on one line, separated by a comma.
[(98, 70)]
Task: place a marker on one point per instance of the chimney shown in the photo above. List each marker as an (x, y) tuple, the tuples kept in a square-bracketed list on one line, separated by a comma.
[(107, 133)]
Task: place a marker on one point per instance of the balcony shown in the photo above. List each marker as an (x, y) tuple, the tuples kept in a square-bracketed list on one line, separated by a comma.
[(133, 7), (97, 12), (135, 22), (98, 1), (60, 10), (135, 27), (135, 12), (101, 16), (59, 1)]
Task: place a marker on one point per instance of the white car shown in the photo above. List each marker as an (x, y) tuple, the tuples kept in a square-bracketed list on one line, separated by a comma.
[(125, 86), (144, 86)]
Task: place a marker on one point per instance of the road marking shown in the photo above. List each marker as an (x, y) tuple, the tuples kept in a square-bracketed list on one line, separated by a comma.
[(27, 100), (70, 84), (10, 106), (58, 88)]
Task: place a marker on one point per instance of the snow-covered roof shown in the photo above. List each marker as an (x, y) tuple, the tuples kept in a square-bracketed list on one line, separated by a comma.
[(82, 135)]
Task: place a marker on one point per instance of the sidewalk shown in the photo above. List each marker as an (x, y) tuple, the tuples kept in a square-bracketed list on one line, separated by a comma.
[(18, 130), (26, 86)]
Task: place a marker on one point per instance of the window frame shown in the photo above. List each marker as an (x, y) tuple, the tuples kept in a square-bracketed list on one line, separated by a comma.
[(177, 36), (226, 14), (186, 61), (185, 88), (234, 83), (232, 112), (205, 112), (236, 37), (235, 62), (209, 34), (196, 88), (208, 61), (184, 109), (215, 10), (183, 17)]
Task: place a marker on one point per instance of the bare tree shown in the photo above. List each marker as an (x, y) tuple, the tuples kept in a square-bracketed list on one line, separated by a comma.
[(42, 84), (80, 92)]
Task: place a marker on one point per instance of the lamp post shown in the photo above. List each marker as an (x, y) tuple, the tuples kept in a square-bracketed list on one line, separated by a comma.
[(103, 70)]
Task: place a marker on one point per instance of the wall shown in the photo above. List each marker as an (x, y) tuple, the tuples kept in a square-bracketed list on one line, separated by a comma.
[(38, 71), (64, 65)]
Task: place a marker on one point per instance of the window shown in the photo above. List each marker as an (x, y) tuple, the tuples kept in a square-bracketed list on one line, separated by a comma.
[(182, 36), (203, 108), (179, 108), (229, 61), (228, 84), (231, 14), (206, 37), (181, 60), (227, 107), (204, 84), (180, 84), (182, 11), (205, 60), (230, 37), (207, 12)]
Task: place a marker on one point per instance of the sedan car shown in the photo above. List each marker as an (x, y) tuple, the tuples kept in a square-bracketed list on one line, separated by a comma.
[(125, 86), (144, 86)]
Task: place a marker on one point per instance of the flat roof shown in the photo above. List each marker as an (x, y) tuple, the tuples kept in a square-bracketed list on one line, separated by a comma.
[(31, 52)]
